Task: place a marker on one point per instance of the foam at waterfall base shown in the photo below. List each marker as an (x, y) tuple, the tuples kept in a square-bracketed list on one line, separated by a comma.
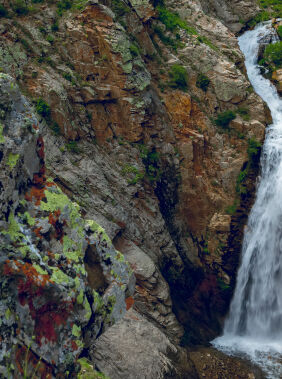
[(266, 354)]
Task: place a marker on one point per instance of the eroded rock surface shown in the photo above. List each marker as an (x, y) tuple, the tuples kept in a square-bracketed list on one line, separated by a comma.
[(62, 281)]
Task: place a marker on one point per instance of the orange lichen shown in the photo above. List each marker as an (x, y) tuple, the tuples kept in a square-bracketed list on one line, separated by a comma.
[(129, 301)]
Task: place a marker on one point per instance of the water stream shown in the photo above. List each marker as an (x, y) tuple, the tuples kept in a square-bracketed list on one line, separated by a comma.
[(254, 324)]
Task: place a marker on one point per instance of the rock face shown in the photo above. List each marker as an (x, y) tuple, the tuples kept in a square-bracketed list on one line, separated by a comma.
[(62, 282), (134, 348), (132, 154)]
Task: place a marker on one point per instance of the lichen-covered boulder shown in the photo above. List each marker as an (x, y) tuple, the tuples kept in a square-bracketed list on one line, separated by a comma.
[(61, 281)]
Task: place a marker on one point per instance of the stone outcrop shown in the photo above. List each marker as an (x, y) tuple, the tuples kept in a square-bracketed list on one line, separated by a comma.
[(62, 282), (134, 348)]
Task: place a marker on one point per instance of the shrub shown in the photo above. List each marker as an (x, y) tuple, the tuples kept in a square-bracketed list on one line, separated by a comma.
[(172, 21), (240, 188), (254, 148), (279, 31), (3, 11), (168, 41), (43, 108), (223, 119), (273, 53), (55, 26), (20, 7), (179, 77), (63, 5), (50, 39), (158, 3), (244, 113), (73, 147), (203, 82), (120, 8)]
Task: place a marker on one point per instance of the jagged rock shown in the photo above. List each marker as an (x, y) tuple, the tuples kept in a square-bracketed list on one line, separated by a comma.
[(54, 277), (135, 349)]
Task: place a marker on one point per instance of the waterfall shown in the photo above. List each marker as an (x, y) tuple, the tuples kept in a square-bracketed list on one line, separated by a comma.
[(254, 324)]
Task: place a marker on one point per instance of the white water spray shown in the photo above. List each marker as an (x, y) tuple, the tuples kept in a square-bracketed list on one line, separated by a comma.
[(254, 324)]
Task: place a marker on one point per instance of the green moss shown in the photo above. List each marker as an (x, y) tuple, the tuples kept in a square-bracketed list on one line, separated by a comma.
[(87, 308), (59, 276), (80, 297), (13, 230), (40, 270), (12, 160), (76, 330), (87, 370), (8, 314), (98, 304), (30, 220), (2, 138), (57, 200), (97, 229)]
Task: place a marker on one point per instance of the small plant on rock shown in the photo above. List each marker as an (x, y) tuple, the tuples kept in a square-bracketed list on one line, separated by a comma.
[(203, 82), (224, 119), (179, 77), (43, 108), (273, 54), (3, 11)]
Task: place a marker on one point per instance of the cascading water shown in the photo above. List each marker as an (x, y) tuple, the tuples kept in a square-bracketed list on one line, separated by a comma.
[(254, 324)]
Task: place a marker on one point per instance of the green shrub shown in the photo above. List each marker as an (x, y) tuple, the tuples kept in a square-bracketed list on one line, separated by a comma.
[(273, 53), (203, 82), (279, 31), (179, 77), (55, 26), (172, 21), (3, 11), (20, 8), (240, 188), (244, 113), (26, 45), (72, 147), (223, 119), (168, 41), (127, 169), (43, 108), (254, 148), (63, 5), (231, 209), (50, 39), (120, 8), (207, 42)]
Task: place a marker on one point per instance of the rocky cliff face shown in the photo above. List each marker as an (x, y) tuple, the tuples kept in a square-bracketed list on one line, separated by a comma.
[(131, 100)]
